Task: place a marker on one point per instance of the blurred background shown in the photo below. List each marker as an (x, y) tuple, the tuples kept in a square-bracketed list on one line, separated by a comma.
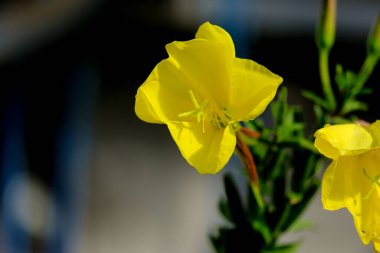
[(80, 173)]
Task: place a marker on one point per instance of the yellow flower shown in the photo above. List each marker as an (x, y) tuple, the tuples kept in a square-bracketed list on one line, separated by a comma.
[(201, 92), (353, 178)]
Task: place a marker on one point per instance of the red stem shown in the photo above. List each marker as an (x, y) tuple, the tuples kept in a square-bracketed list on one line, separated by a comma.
[(247, 158), (250, 133)]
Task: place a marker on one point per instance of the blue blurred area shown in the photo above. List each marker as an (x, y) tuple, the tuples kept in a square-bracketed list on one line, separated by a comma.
[(58, 156), (70, 145), (73, 149), (13, 166)]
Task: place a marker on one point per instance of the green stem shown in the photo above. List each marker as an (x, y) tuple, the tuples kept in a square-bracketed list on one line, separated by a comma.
[(325, 78), (284, 216), (257, 194), (365, 72)]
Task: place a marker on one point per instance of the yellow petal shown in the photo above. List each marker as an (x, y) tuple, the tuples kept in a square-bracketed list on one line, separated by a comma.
[(207, 151), (253, 88), (206, 65), (366, 212), (345, 184), (374, 130), (194, 90), (376, 244), (215, 33), (145, 109), (340, 140), (353, 178), (367, 222), (164, 95), (334, 186)]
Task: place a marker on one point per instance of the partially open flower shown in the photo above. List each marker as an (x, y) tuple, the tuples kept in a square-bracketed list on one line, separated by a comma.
[(327, 23), (201, 92), (353, 178)]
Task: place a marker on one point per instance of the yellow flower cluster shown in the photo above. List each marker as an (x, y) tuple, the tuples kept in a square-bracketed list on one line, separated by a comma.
[(353, 178), (201, 92)]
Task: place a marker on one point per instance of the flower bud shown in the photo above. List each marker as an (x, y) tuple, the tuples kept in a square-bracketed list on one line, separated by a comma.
[(374, 38), (327, 23)]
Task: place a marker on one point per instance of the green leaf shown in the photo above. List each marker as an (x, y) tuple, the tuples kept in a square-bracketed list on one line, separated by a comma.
[(294, 197), (289, 132), (297, 209), (279, 202), (279, 106), (301, 225), (339, 120), (339, 77), (260, 226), (307, 144), (365, 91), (278, 168), (225, 210), (319, 116), (315, 98), (287, 248), (261, 150), (345, 80), (239, 235), (309, 170), (353, 105), (252, 206)]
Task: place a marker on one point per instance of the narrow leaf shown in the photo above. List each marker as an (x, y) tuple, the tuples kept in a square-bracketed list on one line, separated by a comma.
[(315, 98)]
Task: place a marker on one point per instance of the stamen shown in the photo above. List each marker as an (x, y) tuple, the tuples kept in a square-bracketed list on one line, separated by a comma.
[(219, 118)]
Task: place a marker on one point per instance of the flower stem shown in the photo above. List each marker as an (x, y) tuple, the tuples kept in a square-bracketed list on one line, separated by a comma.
[(284, 216), (366, 70), (250, 166), (325, 78), (250, 133)]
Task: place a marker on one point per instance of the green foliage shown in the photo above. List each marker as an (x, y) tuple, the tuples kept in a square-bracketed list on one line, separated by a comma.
[(287, 248), (349, 86), (345, 80), (240, 234), (317, 100), (288, 165), (287, 181)]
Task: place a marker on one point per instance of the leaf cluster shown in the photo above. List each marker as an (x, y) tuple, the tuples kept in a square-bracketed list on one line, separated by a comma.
[(349, 90), (288, 180), (288, 165)]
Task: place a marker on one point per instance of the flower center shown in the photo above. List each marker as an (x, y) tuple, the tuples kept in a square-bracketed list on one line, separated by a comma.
[(207, 111)]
